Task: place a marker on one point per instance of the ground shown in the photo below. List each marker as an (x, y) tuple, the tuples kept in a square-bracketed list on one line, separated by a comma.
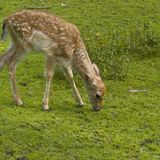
[(126, 128)]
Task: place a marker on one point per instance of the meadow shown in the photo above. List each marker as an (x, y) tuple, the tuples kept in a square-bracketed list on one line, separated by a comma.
[(123, 38)]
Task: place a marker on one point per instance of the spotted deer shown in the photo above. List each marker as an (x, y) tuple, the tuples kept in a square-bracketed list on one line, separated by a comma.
[(62, 44)]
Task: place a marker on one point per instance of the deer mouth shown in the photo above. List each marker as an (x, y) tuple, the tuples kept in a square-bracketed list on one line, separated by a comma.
[(96, 108)]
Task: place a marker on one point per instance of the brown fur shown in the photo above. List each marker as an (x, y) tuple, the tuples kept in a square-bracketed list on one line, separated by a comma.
[(62, 44)]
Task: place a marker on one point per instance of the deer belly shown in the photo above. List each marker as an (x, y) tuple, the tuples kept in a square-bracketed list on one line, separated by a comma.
[(41, 42)]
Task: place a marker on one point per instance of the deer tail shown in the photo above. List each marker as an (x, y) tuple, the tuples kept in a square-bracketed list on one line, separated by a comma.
[(4, 31)]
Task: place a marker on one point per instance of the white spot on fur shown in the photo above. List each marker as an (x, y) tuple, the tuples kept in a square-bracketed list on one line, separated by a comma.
[(63, 38), (62, 29), (14, 24), (24, 29)]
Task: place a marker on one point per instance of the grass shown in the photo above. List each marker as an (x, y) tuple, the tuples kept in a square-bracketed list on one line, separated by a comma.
[(126, 128)]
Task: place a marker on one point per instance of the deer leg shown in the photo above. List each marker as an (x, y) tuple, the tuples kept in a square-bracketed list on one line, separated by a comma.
[(69, 76), (12, 74), (6, 56), (49, 76)]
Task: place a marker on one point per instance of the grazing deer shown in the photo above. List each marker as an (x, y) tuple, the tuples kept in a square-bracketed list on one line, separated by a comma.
[(61, 43)]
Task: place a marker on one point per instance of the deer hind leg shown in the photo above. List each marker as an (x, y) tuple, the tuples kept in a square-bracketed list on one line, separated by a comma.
[(49, 76), (18, 54), (6, 56), (69, 76)]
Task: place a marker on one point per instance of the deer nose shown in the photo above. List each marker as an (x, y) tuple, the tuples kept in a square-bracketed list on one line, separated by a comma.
[(96, 108)]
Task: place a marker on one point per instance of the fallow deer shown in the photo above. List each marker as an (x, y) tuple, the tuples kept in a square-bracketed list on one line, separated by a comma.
[(62, 44)]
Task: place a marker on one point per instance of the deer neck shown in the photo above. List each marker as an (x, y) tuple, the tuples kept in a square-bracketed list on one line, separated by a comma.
[(84, 66)]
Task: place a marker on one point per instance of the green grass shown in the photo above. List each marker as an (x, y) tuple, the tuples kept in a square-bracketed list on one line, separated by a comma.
[(128, 125)]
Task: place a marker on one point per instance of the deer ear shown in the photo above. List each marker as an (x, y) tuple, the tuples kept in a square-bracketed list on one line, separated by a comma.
[(96, 69)]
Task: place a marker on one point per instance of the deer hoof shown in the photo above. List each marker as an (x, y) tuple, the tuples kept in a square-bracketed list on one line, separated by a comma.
[(45, 107), (80, 105), (19, 102)]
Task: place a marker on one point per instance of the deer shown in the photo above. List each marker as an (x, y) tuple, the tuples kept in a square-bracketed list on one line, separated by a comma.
[(61, 43)]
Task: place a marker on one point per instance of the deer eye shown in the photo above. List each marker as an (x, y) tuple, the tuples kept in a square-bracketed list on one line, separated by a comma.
[(98, 96)]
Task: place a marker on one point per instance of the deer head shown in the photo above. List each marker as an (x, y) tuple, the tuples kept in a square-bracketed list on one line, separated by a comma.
[(96, 89)]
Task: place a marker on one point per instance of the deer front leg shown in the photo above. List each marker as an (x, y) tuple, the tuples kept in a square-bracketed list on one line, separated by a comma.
[(69, 76), (49, 76)]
